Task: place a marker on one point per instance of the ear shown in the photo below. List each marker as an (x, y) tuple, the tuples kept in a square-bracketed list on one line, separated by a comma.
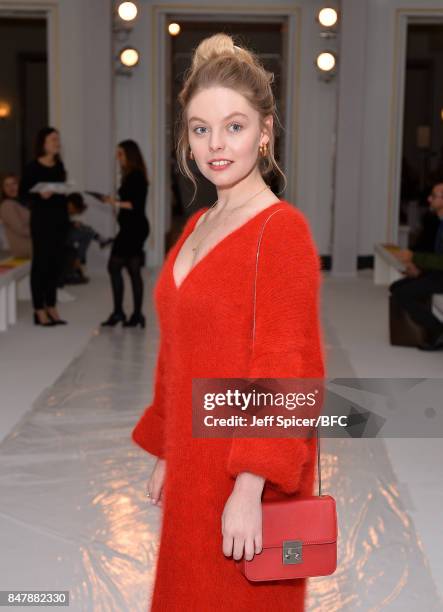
[(267, 126)]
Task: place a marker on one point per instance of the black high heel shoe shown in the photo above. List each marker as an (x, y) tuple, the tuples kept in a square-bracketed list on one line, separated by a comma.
[(37, 321), (56, 321), (114, 318), (135, 319)]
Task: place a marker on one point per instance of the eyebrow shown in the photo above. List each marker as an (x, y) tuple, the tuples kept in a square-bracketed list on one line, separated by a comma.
[(227, 117)]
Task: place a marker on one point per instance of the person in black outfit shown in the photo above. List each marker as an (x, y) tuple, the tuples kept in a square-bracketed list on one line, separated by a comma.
[(127, 250), (424, 274), (49, 226)]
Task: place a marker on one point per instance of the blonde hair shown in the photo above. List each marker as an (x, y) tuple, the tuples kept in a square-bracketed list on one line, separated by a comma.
[(218, 62)]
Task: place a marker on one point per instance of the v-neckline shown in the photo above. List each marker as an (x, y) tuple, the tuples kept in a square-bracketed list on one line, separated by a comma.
[(214, 247)]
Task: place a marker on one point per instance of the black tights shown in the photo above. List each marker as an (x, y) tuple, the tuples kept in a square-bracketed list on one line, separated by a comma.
[(133, 265)]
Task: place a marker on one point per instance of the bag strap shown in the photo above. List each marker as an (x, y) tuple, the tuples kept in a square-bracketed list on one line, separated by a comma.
[(253, 334)]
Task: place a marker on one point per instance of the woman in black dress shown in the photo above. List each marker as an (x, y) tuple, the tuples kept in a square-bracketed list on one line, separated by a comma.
[(49, 225), (127, 249)]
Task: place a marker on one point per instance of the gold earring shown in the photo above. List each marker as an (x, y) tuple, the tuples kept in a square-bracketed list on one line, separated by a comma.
[(191, 154), (263, 150)]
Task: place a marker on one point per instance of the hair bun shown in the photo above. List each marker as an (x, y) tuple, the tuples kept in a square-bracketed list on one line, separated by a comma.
[(212, 47)]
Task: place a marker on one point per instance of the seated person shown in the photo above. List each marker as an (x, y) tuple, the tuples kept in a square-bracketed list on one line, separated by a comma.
[(16, 218), (79, 238), (424, 272)]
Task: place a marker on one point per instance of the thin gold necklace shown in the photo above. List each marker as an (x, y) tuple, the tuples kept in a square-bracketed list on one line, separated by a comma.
[(229, 214)]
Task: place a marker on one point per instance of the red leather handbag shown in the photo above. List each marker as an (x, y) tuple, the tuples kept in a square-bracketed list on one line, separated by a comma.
[(299, 538)]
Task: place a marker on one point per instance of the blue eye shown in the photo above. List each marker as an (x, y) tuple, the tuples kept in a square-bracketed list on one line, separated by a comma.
[(238, 125), (198, 128)]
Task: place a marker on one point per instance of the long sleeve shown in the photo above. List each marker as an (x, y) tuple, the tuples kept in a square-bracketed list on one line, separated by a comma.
[(286, 342), (17, 217), (428, 261), (149, 430), (134, 189)]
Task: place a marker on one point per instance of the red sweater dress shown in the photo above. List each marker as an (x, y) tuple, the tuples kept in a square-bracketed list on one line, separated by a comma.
[(206, 331)]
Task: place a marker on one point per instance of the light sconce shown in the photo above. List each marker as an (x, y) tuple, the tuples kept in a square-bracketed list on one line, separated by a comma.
[(327, 17), (129, 57), (5, 110), (126, 57), (174, 29), (326, 64), (326, 60), (127, 11)]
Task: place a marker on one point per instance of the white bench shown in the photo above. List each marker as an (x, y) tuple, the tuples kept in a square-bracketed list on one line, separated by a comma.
[(12, 282), (387, 268), (437, 306)]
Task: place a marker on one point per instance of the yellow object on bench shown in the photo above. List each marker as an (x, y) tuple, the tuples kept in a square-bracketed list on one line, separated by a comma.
[(13, 262)]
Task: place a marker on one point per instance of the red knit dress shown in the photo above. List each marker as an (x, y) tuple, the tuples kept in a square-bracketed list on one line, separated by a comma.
[(205, 332)]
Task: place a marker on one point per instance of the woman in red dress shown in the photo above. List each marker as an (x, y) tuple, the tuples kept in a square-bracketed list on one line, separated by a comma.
[(208, 305)]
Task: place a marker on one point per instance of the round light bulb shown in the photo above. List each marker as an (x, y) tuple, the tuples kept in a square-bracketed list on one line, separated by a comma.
[(174, 29), (5, 110), (326, 61), (129, 57), (328, 17), (127, 11)]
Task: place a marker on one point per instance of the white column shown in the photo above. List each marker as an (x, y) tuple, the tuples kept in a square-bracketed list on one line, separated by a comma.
[(351, 108)]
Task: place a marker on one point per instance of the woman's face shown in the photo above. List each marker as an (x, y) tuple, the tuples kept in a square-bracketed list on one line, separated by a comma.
[(10, 187), (121, 157), (222, 125), (52, 144)]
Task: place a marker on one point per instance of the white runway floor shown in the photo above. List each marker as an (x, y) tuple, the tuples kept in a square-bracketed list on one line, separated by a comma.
[(73, 514)]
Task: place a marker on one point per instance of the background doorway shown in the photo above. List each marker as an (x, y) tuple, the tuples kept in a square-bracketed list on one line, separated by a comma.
[(24, 88), (422, 142), (267, 40)]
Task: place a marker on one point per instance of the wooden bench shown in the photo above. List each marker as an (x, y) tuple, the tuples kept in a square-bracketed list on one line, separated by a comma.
[(14, 275)]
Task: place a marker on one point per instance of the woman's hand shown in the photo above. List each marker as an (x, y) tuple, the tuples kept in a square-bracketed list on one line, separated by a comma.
[(155, 483), (412, 270), (115, 202), (46, 194), (242, 518), (404, 255)]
